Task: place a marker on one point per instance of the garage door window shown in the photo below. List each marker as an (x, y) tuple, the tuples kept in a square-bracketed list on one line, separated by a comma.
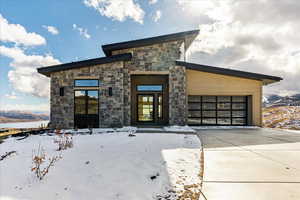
[(217, 110)]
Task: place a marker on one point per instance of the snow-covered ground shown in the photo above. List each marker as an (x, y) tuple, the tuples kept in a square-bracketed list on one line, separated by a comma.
[(224, 127), (179, 129), (103, 166)]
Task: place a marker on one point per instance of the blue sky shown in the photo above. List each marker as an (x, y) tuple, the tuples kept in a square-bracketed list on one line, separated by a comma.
[(228, 37)]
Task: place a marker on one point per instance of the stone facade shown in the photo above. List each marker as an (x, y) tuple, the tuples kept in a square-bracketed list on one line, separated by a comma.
[(158, 57), (110, 107), (177, 96), (115, 110)]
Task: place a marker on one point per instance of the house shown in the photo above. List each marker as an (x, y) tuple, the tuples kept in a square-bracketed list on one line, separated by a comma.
[(147, 82)]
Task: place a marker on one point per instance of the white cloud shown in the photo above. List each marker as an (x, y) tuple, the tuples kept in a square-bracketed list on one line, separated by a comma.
[(82, 31), (264, 42), (153, 1), (118, 9), (51, 29), (11, 96), (17, 33), (26, 107), (24, 77), (157, 16)]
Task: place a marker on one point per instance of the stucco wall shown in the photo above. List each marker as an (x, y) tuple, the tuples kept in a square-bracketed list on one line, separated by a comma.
[(203, 83), (110, 107), (157, 57)]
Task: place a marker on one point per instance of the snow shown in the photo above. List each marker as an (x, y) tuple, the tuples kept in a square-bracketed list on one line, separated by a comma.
[(224, 127), (179, 129), (102, 166)]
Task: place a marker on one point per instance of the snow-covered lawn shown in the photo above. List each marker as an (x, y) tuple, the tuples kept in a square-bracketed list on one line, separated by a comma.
[(103, 166)]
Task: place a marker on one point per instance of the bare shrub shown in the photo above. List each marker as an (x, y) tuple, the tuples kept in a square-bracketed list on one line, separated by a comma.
[(40, 166), (64, 142)]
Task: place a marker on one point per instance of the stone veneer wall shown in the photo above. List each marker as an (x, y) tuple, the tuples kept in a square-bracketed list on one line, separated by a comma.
[(158, 57), (178, 96), (111, 107)]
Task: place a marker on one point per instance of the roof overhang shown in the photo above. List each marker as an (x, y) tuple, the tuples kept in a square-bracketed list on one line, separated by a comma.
[(266, 79), (188, 36), (84, 63)]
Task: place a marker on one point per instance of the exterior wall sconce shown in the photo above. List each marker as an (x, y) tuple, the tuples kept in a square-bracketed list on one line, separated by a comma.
[(110, 92), (61, 91)]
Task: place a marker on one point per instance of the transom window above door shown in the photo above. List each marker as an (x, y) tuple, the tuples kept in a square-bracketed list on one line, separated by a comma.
[(151, 88), (86, 83)]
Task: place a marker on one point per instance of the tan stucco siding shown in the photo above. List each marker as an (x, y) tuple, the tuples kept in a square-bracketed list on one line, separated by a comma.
[(203, 83)]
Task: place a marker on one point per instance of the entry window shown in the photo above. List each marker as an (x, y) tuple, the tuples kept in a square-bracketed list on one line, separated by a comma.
[(92, 102), (86, 83), (86, 106), (151, 88), (217, 110), (145, 108), (80, 102), (86, 102)]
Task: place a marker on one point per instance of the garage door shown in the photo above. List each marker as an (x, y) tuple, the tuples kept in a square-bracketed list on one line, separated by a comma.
[(217, 110)]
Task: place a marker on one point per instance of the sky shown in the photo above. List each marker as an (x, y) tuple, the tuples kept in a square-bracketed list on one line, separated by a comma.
[(259, 36)]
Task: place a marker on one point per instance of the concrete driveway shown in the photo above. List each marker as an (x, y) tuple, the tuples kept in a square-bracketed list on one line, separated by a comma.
[(254, 164)]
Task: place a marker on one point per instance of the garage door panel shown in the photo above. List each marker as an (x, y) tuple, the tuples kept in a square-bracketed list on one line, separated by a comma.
[(224, 121), (217, 110)]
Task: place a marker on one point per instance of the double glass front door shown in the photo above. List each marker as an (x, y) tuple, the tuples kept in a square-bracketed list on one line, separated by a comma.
[(150, 107)]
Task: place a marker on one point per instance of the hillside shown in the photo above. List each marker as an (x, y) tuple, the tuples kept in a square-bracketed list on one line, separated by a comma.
[(19, 116), (286, 117)]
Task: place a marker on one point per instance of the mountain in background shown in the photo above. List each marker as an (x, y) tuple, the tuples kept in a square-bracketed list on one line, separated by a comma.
[(21, 116), (276, 100)]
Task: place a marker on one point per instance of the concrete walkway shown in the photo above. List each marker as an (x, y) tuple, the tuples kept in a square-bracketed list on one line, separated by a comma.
[(260, 164)]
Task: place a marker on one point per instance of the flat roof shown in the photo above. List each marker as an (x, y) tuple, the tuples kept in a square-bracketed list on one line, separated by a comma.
[(267, 79), (84, 63), (108, 48)]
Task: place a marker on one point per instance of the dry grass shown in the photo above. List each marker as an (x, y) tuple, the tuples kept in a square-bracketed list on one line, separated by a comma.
[(64, 142), (40, 165), (286, 117)]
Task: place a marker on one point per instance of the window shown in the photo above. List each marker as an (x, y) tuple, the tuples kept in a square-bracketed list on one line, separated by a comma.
[(86, 102), (86, 105), (217, 110), (80, 102), (145, 108), (86, 83), (152, 88)]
